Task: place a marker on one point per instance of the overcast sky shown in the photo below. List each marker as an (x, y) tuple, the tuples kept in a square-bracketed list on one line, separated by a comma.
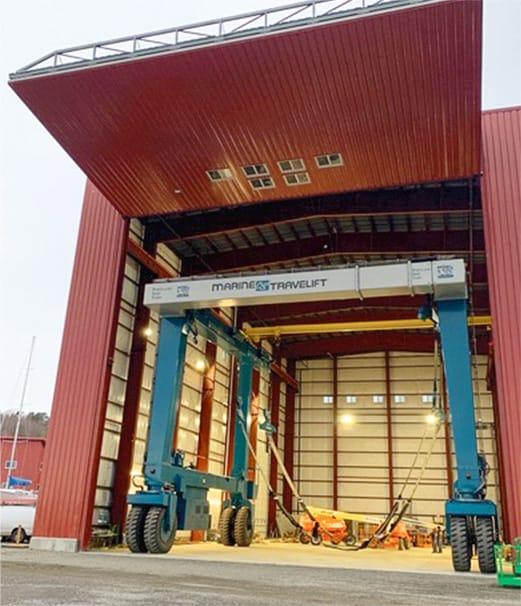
[(41, 189)]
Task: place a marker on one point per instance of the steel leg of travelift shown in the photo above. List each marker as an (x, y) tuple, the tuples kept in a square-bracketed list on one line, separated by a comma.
[(470, 517), (170, 363), (240, 452)]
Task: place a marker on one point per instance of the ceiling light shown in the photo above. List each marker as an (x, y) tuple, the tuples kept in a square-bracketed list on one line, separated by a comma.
[(289, 166), (329, 160), (262, 183), (297, 179), (219, 174), (255, 170)]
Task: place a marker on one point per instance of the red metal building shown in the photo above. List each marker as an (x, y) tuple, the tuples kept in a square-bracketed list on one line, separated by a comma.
[(28, 455), (382, 110)]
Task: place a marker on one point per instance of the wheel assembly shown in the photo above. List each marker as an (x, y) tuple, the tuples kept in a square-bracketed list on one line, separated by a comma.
[(159, 533), (303, 537), (485, 540), (243, 527), (461, 543), (350, 539), (226, 526), (18, 535), (135, 529)]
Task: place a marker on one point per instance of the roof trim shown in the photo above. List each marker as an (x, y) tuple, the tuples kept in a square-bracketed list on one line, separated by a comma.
[(207, 33)]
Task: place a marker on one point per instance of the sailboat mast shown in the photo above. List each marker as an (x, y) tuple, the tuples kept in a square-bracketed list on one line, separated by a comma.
[(19, 419)]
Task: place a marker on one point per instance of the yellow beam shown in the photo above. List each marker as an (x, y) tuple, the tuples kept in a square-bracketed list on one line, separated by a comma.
[(264, 332)]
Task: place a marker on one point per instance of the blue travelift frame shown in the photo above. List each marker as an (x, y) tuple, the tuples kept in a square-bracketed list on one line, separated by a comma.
[(183, 490), (470, 486)]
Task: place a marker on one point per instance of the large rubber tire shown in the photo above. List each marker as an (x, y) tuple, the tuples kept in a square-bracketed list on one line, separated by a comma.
[(159, 536), (485, 540), (226, 526), (243, 527), (350, 539), (18, 536), (316, 539), (135, 529), (461, 542)]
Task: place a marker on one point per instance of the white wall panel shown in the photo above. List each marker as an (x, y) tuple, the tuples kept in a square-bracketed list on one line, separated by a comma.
[(363, 466)]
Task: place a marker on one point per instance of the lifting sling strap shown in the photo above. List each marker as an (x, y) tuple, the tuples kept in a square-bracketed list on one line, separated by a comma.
[(401, 504), (273, 494)]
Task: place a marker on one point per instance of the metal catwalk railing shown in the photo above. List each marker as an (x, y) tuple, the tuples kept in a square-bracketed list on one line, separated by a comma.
[(207, 32)]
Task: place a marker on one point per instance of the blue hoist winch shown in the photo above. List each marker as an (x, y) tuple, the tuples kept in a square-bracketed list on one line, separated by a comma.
[(176, 496)]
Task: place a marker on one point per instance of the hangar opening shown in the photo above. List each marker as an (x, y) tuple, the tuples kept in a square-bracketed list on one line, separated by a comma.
[(284, 140)]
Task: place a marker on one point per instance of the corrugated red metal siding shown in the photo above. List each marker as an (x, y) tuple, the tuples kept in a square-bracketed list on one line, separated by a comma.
[(28, 456), (502, 217), (73, 447), (398, 94)]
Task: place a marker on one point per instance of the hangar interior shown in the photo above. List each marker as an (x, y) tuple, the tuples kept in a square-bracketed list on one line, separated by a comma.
[(279, 141)]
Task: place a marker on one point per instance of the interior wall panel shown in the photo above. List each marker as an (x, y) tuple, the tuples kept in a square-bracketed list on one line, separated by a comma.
[(362, 460)]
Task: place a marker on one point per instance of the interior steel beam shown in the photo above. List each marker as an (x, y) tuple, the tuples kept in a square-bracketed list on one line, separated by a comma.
[(277, 332), (322, 310), (369, 342), (437, 200), (147, 260), (413, 244)]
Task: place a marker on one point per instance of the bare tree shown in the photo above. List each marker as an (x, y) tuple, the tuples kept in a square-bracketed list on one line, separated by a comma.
[(32, 424)]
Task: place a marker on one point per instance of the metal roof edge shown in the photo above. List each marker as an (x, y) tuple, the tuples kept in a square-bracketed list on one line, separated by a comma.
[(31, 70)]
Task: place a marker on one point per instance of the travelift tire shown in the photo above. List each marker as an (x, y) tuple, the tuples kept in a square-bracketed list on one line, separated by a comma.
[(243, 527), (159, 534), (135, 529), (226, 526), (485, 540), (461, 544)]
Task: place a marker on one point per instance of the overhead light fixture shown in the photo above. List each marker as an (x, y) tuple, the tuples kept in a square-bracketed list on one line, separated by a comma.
[(329, 160), (148, 332), (263, 183), (255, 170), (219, 174), (291, 166), (297, 179)]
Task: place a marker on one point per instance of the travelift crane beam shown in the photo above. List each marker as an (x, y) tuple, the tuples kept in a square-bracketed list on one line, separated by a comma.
[(442, 279)]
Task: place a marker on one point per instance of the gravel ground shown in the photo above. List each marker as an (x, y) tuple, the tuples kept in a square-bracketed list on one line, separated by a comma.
[(31, 578)]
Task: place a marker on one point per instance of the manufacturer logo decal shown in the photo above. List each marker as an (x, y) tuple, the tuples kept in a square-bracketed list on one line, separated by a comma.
[(445, 271), (183, 291), (262, 285)]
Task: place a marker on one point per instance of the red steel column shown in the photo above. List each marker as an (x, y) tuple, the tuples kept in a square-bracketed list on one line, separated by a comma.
[(132, 398), (275, 418), (390, 449), (130, 414), (289, 437), (72, 454), (205, 425), (335, 432)]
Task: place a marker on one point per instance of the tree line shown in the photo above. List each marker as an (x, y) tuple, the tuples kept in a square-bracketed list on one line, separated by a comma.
[(32, 424)]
